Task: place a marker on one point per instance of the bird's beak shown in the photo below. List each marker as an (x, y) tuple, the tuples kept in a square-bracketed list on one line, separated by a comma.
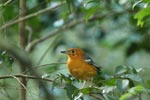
[(63, 52)]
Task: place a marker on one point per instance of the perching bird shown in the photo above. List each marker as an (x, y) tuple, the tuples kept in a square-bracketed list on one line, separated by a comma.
[(80, 65)]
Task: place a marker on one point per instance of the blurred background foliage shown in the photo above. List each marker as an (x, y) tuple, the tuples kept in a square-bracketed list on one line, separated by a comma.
[(112, 32)]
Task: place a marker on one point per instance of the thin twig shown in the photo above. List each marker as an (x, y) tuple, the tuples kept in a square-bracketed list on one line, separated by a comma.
[(8, 24), (19, 82), (50, 64), (6, 3), (140, 96), (30, 31), (25, 76), (30, 77), (24, 87)]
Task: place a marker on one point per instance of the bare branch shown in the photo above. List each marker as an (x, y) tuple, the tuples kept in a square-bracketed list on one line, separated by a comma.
[(50, 64), (25, 76), (20, 82), (23, 59), (6, 3), (8, 24), (23, 43), (59, 30)]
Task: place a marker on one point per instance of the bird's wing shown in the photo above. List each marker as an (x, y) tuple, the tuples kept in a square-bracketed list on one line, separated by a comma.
[(91, 62)]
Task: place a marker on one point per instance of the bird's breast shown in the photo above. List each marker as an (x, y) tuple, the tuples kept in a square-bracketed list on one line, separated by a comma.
[(81, 69)]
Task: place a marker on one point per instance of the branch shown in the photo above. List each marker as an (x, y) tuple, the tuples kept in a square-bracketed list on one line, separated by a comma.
[(23, 59), (25, 76), (67, 26), (50, 64), (30, 77), (22, 31), (24, 87), (8, 24), (6, 3), (60, 30), (23, 43)]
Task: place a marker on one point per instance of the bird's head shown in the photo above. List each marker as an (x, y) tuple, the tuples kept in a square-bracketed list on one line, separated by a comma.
[(74, 52)]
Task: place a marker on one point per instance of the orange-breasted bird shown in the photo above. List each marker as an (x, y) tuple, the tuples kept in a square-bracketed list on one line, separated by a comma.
[(81, 65)]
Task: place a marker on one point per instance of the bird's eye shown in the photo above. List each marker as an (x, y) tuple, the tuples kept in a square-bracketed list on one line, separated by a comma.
[(72, 51)]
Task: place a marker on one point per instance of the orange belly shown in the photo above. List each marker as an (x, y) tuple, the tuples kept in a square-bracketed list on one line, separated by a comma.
[(82, 70)]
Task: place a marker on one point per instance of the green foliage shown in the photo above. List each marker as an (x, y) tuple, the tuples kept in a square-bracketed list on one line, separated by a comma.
[(141, 15), (148, 84), (70, 4), (147, 1), (111, 38), (132, 92), (92, 9), (7, 60), (70, 90), (124, 84)]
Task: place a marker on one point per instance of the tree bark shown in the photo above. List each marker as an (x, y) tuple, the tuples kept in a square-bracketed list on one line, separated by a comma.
[(22, 31), (23, 43)]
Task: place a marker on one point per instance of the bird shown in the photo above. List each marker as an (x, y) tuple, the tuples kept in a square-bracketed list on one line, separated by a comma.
[(81, 66)]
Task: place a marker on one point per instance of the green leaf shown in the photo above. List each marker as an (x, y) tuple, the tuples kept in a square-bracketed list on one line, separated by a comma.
[(122, 85), (141, 15), (110, 82), (70, 5), (131, 69), (91, 1), (86, 90), (136, 90), (101, 78), (67, 79), (4, 56), (110, 97), (91, 11), (131, 83), (77, 95), (70, 89), (139, 89), (147, 1), (134, 77), (104, 76), (120, 70), (136, 3), (7, 59), (132, 92), (107, 89), (148, 83), (125, 96), (89, 90)]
